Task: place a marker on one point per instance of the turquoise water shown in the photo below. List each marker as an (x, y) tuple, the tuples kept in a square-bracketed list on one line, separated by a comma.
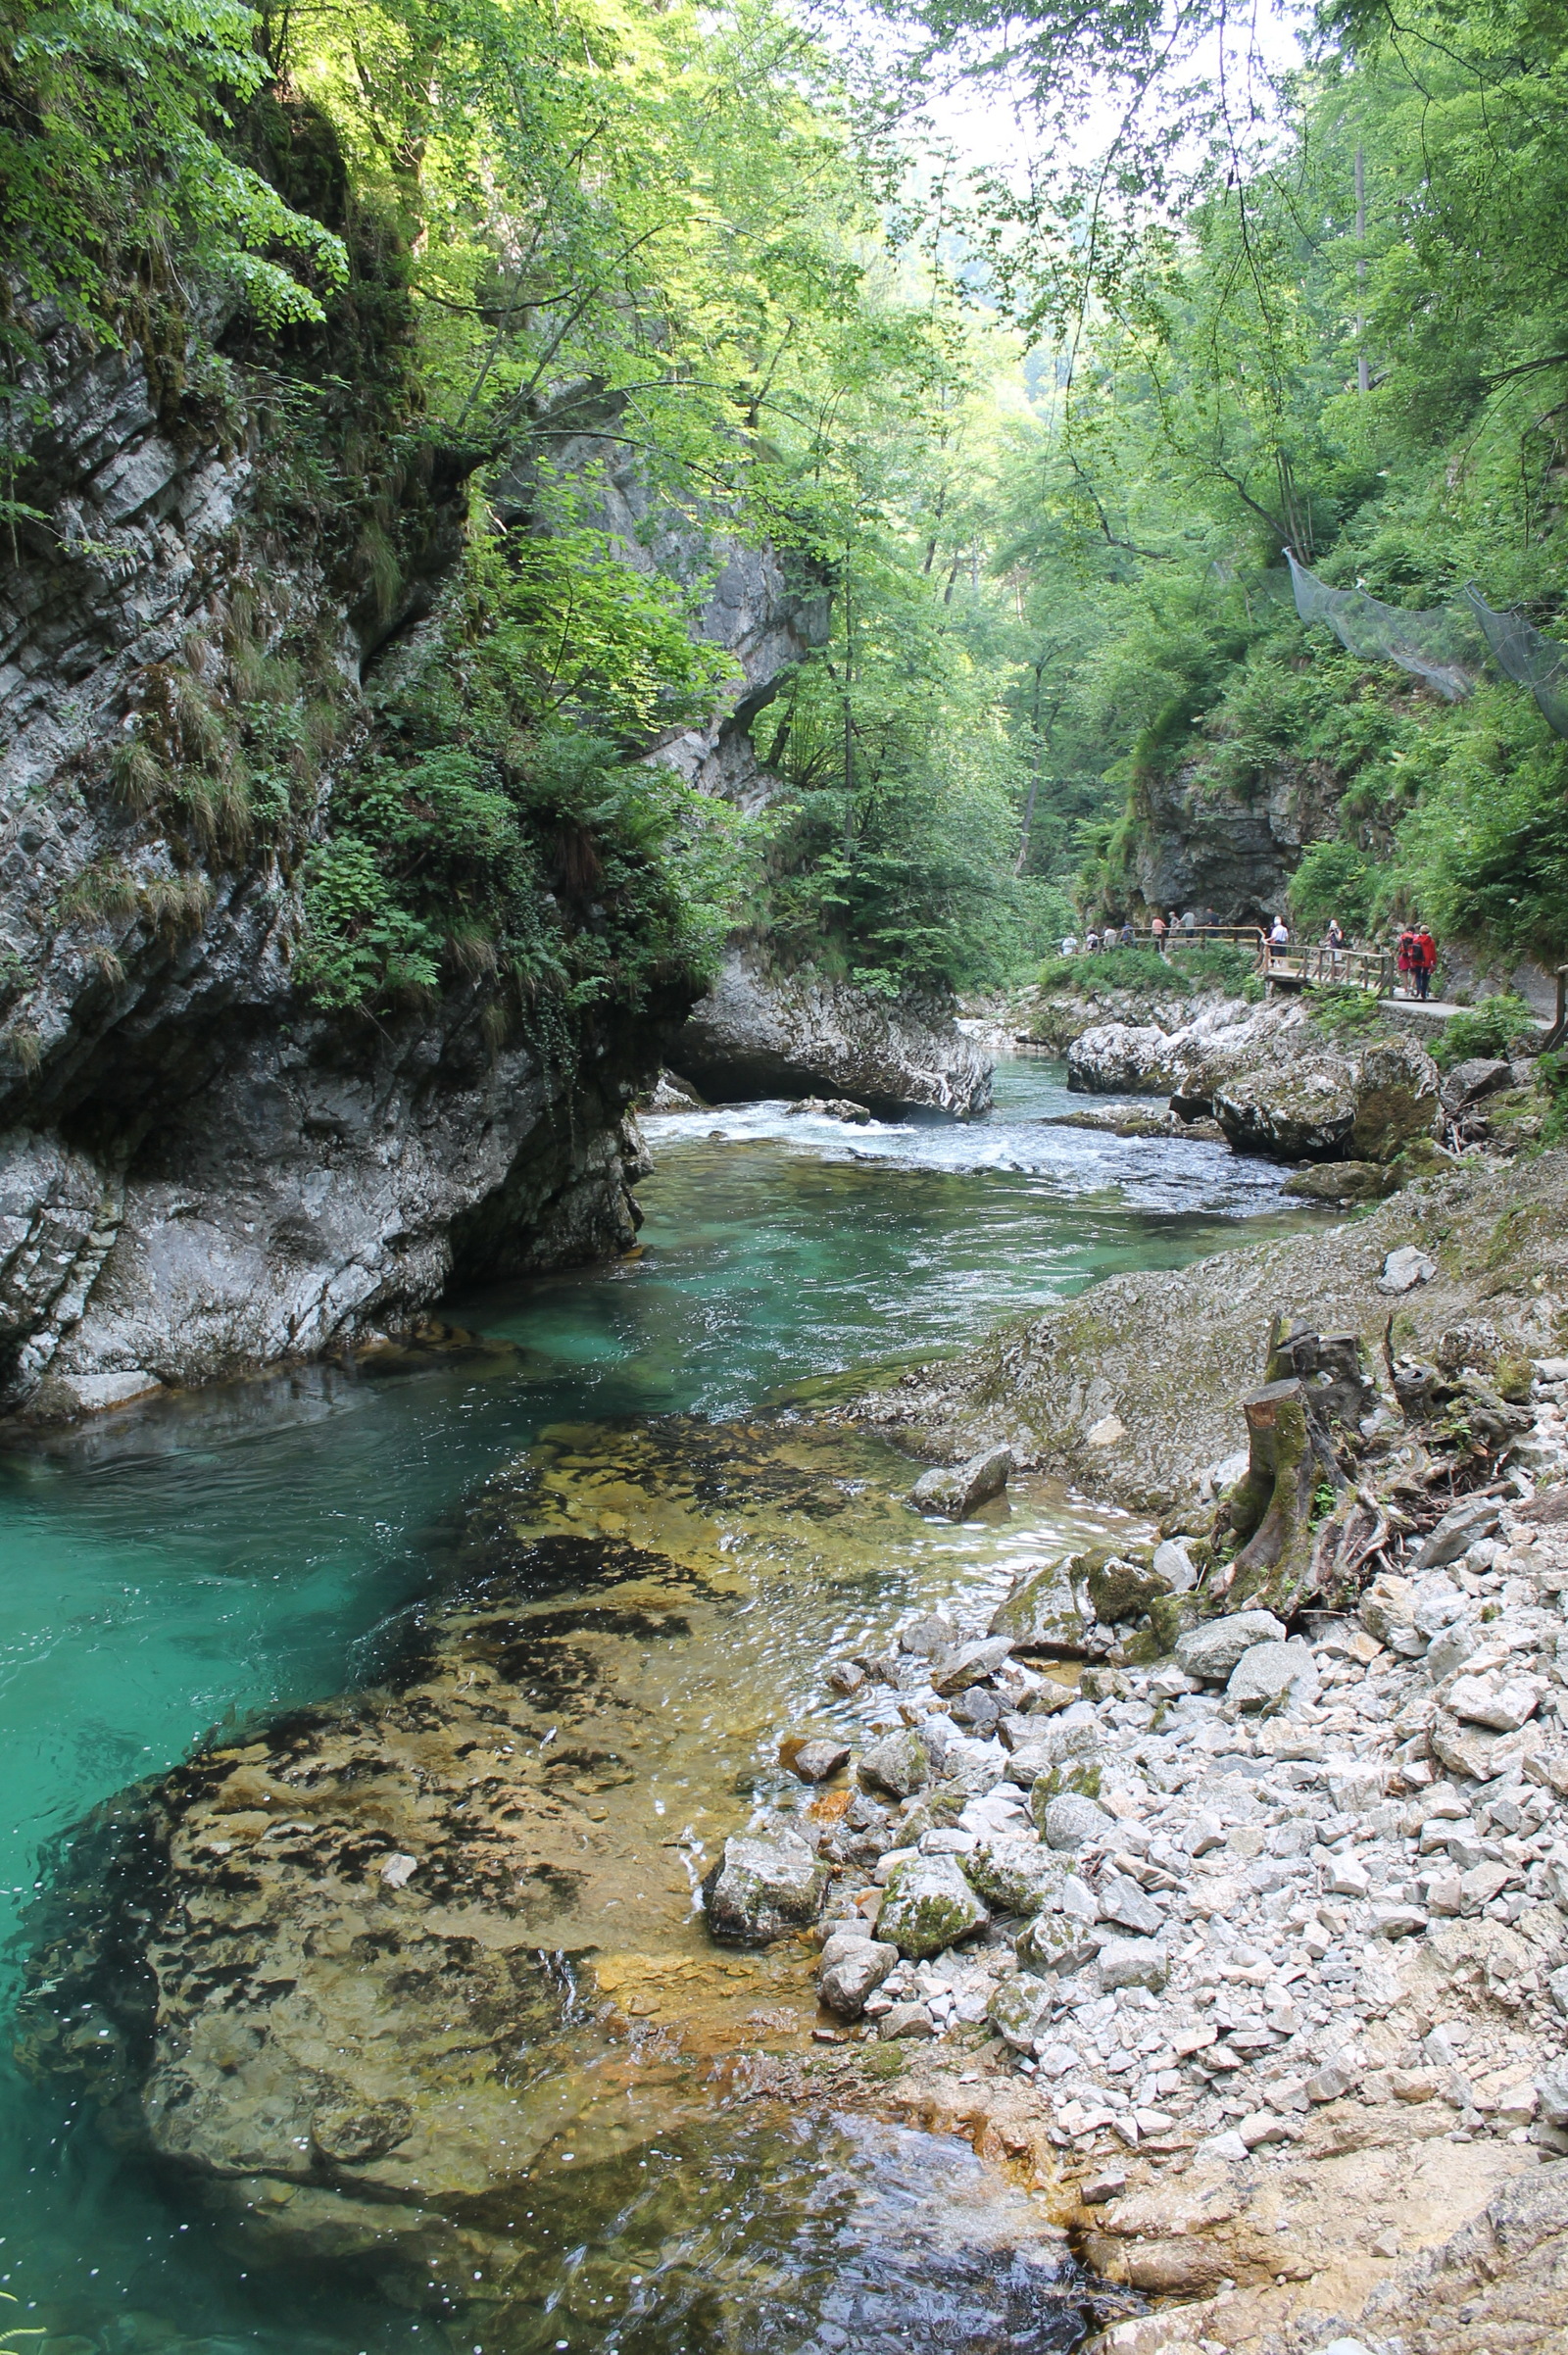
[(164, 1573)]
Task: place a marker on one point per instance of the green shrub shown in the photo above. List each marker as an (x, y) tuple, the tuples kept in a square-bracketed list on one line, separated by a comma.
[(1334, 879), (1218, 966), (1346, 1014), (1552, 1082), (1491, 1027), (1114, 969)]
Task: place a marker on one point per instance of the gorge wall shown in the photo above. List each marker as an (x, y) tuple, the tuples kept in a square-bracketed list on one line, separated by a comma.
[(201, 1170)]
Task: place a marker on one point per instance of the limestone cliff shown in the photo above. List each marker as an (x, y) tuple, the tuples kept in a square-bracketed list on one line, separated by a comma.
[(200, 1170), (759, 1033)]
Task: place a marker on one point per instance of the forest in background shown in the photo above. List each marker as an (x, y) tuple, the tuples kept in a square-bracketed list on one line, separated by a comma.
[(1041, 435)]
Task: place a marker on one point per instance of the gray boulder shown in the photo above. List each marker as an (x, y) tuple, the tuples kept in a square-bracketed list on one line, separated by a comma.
[(1072, 1821), (760, 1033), (1041, 1613), (900, 1763), (854, 1974), (962, 1489), (1269, 1671), (927, 1906), (1478, 1076), (1212, 1650), (970, 1664), (1477, 1517), (1020, 2011), (908, 2020), (1121, 1900), (1133, 1962), (1014, 1875), (1055, 1944), (763, 1889)]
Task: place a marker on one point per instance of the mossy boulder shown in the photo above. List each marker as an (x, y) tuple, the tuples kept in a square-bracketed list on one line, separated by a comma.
[(938, 1809), (1020, 2011), (1123, 1588), (927, 1906), (1016, 1875), (1342, 1182), (1397, 1099), (1041, 1613)]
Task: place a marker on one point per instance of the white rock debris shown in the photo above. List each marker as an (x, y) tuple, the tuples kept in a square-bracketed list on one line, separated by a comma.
[(1282, 1860)]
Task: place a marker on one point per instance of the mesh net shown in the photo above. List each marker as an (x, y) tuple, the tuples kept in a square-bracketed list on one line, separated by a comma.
[(1447, 647), (1521, 653), (1442, 647)]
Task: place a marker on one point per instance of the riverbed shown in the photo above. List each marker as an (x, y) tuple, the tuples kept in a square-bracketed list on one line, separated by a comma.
[(175, 1573)]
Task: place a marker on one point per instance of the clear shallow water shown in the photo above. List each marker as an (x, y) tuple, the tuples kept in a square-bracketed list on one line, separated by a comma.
[(162, 1574)]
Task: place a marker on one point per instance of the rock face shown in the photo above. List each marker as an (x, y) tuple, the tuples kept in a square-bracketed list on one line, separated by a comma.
[(200, 1173), (1201, 844), (758, 1034), (1273, 1082)]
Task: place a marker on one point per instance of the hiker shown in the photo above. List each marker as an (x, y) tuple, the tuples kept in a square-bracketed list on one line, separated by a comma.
[(1091, 942), (1129, 937), (1069, 945), (1404, 957), (1189, 921), (1424, 963), (1156, 925), (1279, 939), (1334, 938)]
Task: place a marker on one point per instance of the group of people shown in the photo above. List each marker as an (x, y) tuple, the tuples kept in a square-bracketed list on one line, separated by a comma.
[(1415, 950), (1415, 954), (1194, 921)]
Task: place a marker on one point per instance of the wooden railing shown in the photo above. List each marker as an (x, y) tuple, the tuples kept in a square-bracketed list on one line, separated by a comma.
[(1318, 968)]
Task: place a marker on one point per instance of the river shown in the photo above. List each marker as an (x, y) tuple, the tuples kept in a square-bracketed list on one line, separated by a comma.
[(172, 1573)]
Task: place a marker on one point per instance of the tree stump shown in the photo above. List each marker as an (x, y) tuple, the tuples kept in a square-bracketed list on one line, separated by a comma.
[(1271, 1504)]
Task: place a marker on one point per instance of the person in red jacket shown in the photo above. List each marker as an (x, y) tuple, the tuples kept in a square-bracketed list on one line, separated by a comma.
[(1404, 956), (1424, 963)]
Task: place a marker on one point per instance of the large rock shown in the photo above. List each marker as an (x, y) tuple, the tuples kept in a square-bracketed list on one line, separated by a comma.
[(898, 1764), (1068, 1820), (1020, 2011), (853, 1974), (1266, 1672), (761, 1034), (1210, 1652), (1041, 1613), (928, 1905), (1275, 1084), (1014, 1875), (763, 1889)]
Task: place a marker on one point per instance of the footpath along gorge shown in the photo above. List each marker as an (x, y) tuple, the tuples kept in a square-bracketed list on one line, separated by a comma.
[(744, 1613)]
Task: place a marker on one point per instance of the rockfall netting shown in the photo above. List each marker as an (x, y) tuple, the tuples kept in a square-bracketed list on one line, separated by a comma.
[(1447, 646)]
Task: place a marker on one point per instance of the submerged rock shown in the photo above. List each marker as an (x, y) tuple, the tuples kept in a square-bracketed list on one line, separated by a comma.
[(763, 1889), (963, 1489), (833, 1107)]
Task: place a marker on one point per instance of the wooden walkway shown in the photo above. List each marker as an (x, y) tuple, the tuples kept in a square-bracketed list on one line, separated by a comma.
[(1316, 967)]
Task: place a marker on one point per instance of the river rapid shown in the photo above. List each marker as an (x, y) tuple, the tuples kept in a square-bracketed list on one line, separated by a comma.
[(181, 1571)]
